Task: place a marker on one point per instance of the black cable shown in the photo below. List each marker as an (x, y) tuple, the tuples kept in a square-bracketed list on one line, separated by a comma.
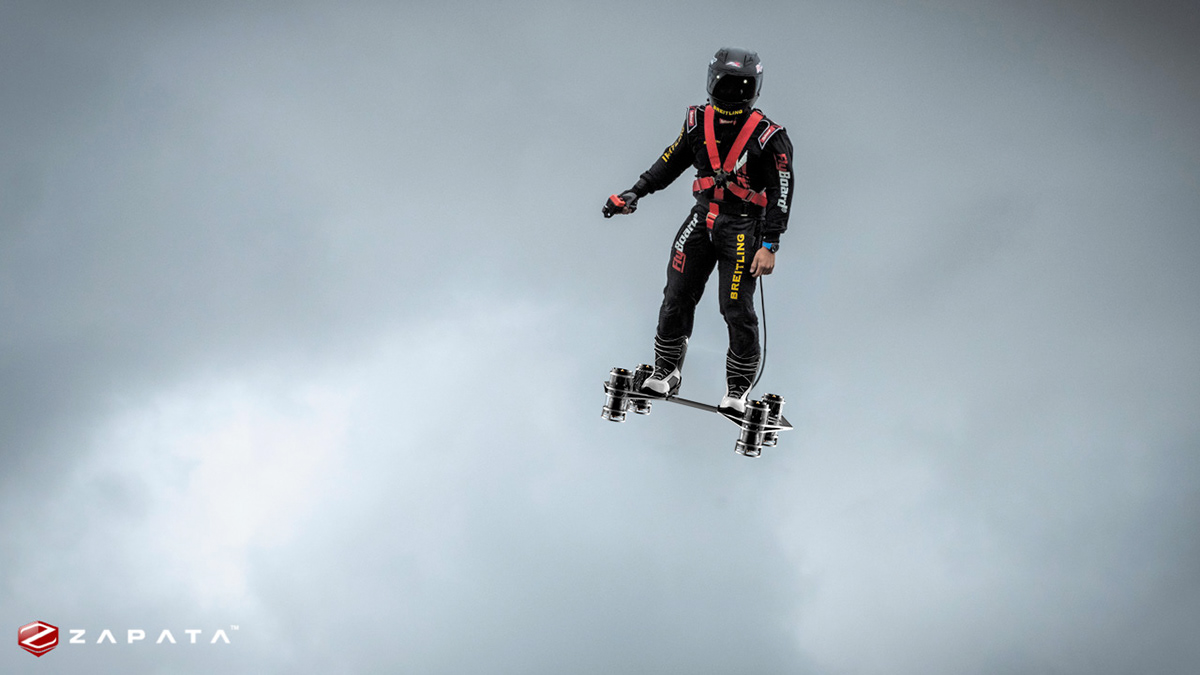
[(762, 361)]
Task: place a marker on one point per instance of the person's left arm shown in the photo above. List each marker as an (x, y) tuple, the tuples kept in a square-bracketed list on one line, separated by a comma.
[(777, 159)]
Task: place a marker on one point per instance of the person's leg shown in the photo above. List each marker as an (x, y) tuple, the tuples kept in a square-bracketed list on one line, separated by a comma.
[(692, 260), (737, 242)]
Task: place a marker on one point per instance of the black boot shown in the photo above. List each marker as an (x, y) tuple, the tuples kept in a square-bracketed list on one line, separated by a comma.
[(739, 376), (668, 360)]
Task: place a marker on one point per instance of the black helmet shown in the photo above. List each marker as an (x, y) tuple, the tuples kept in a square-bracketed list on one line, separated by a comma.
[(734, 79)]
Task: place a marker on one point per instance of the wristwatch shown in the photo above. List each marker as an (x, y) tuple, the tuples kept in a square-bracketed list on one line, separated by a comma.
[(773, 247)]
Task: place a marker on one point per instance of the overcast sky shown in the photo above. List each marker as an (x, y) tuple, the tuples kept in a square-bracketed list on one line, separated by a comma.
[(304, 310)]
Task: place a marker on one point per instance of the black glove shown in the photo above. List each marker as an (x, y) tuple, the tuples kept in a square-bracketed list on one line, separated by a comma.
[(626, 202)]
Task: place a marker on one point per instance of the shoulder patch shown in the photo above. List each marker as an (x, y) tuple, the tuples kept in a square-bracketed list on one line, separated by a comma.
[(767, 134), (692, 118)]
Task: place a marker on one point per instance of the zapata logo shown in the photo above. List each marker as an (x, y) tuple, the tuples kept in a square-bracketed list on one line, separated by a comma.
[(38, 637)]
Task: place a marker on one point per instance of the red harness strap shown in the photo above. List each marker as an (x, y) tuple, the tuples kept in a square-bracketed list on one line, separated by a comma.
[(727, 167), (745, 194), (713, 212), (710, 140)]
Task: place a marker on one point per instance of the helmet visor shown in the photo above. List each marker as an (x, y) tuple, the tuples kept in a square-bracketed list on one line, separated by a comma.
[(734, 88)]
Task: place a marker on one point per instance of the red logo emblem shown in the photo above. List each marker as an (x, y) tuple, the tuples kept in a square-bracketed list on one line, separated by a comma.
[(766, 135), (679, 261), (38, 637), (781, 162)]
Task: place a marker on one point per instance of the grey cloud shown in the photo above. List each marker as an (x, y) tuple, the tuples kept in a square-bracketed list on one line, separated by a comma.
[(983, 320)]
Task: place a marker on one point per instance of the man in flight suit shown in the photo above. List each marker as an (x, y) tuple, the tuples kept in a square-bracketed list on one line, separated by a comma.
[(743, 193)]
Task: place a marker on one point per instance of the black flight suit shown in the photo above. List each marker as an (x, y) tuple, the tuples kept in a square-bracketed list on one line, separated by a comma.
[(727, 240)]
